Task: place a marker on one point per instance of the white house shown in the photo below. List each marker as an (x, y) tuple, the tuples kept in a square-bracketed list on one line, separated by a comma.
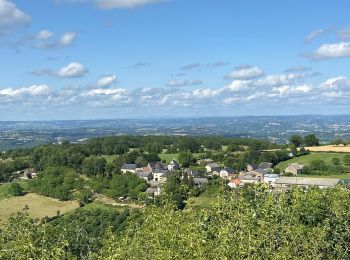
[(160, 175), (173, 165), (129, 168), (224, 173), (211, 167)]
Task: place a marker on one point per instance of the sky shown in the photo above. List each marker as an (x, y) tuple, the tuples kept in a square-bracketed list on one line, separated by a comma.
[(105, 59)]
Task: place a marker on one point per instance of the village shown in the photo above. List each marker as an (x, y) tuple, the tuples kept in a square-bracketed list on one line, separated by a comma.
[(157, 174)]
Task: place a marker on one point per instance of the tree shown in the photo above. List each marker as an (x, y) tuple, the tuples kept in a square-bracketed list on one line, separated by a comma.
[(346, 159), (311, 140), (297, 140), (16, 190), (186, 159)]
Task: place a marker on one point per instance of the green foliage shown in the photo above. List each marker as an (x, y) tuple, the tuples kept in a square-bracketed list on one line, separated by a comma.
[(296, 140), (56, 182), (187, 159), (94, 166), (335, 161), (347, 159), (299, 224), (311, 140), (15, 189), (125, 185)]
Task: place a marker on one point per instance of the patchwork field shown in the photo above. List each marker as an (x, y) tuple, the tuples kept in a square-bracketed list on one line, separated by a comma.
[(305, 160), (330, 148), (39, 206)]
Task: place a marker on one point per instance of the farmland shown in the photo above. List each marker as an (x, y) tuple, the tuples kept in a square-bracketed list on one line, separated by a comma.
[(39, 206), (330, 148)]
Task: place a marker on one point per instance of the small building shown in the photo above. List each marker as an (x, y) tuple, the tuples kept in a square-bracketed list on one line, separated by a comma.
[(144, 175), (224, 173), (173, 165), (247, 179), (151, 167), (129, 168), (265, 165), (251, 167), (287, 182), (211, 167), (204, 162), (160, 176), (260, 172), (294, 169), (271, 178)]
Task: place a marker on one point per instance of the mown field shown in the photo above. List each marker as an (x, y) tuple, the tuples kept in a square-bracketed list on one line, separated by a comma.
[(329, 148), (39, 206)]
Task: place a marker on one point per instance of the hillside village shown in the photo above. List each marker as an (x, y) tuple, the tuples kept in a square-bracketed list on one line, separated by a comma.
[(157, 174)]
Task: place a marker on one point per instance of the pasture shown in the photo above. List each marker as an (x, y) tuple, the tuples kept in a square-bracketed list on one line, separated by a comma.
[(39, 206)]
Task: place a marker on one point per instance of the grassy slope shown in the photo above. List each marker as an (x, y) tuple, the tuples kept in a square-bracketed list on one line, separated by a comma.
[(327, 157), (39, 206)]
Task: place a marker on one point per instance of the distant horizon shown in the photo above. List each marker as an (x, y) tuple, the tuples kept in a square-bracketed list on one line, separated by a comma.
[(175, 118)]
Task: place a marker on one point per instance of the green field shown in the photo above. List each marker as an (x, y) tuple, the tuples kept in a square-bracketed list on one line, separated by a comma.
[(201, 202), (168, 157), (4, 189), (39, 206), (109, 158), (305, 160)]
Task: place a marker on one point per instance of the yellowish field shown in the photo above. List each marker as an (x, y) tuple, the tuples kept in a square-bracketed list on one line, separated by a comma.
[(330, 148), (39, 206)]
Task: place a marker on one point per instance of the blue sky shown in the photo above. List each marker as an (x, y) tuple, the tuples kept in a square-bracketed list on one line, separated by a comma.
[(88, 59)]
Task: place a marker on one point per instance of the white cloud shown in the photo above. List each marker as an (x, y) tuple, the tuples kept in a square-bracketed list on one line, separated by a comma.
[(279, 79), (45, 40), (35, 90), (44, 35), (106, 81), (11, 18), (177, 83), (72, 70), (284, 90), (245, 72), (336, 83), (331, 51), (67, 39), (315, 34), (239, 85), (107, 92)]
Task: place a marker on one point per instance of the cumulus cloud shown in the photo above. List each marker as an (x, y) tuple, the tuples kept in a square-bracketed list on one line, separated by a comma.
[(11, 18), (337, 83), (72, 70), (35, 90), (279, 79), (315, 34), (106, 81), (113, 4), (245, 72), (332, 51), (45, 40)]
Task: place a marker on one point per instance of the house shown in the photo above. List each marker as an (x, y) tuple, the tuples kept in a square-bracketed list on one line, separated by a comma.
[(271, 178), (224, 173), (294, 169), (144, 175), (204, 162), (173, 165), (265, 165), (129, 168), (247, 179), (211, 167), (251, 167), (286, 182), (260, 172), (235, 183), (151, 167), (160, 175), (200, 182)]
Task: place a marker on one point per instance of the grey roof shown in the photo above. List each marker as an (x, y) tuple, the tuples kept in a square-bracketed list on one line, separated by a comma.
[(296, 166), (228, 169), (271, 175), (248, 178), (156, 166), (304, 181), (261, 171), (265, 165), (164, 173), (174, 162), (213, 165), (143, 174), (129, 166)]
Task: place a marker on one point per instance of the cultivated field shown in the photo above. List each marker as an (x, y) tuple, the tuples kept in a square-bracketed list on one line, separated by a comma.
[(39, 206), (329, 148)]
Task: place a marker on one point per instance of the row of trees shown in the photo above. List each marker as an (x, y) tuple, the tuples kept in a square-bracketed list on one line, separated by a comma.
[(308, 140)]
